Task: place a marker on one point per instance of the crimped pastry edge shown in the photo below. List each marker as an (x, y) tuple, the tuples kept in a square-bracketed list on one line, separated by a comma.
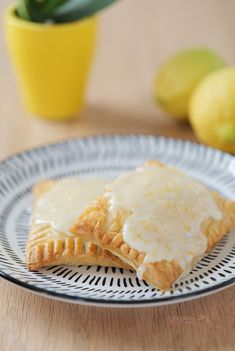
[(68, 251), (91, 226)]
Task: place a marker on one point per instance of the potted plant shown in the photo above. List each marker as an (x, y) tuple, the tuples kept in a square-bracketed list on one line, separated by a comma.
[(51, 43)]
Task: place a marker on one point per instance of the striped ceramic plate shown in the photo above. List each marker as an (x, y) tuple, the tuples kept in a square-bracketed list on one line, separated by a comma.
[(108, 156)]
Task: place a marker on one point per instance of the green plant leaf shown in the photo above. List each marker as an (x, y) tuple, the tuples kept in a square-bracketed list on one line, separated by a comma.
[(50, 6), (59, 10), (22, 10), (77, 9), (34, 8)]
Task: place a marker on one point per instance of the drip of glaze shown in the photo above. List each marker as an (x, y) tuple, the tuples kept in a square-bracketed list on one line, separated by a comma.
[(162, 210)]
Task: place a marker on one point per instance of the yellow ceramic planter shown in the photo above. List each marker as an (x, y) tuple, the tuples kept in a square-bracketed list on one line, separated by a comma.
[(52, 63)]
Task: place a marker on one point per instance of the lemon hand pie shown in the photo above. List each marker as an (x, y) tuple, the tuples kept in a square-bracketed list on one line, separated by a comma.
[(158, 220), (56, 206)]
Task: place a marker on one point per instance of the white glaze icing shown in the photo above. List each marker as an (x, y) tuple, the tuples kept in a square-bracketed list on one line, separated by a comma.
[(65, 201), (162, 210)]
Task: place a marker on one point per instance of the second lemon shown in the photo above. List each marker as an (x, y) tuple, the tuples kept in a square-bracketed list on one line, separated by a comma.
[(179, 76)]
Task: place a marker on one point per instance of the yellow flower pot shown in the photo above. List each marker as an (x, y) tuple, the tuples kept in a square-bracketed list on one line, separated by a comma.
[(52, 63)]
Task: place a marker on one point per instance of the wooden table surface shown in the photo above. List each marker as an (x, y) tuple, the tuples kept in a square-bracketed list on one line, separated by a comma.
[(134, 38)]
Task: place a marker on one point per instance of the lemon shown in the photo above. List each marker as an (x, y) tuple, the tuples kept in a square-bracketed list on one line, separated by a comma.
[(212, 110), (178, 77)]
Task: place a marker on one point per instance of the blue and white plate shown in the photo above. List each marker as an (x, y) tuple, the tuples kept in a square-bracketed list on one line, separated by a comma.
[(108, 156)]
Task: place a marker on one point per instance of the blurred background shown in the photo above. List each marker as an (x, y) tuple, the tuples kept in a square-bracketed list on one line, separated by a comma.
[(134, 38)]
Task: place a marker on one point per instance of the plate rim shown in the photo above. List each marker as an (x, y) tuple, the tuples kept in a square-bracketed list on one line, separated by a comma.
[(119, 303), (110, 135), (105, 302)]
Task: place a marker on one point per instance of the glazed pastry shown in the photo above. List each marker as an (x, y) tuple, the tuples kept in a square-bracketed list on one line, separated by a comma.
[(56, 206), (158, 220)]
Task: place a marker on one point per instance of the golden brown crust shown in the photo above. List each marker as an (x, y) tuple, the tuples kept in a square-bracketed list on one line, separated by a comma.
[(215, 230), (92, 225), (162, 274), (44, 247)]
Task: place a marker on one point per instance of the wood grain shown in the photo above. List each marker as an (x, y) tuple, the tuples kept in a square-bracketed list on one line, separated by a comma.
[(135, 37)]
